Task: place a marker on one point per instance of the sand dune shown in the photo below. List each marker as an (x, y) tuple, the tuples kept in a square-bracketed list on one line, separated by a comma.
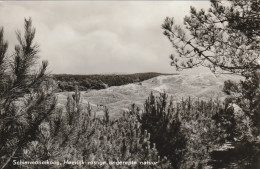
[(119, 98)]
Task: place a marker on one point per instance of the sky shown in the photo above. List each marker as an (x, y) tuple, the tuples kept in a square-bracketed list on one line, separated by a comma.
[(97, 37)]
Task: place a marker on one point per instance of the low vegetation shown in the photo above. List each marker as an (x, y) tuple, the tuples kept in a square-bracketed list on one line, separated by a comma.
[(85, 82), (77, 135), (184, 132)]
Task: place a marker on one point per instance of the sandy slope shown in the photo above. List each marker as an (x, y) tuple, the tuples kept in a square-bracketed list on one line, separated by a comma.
[(119, 98)]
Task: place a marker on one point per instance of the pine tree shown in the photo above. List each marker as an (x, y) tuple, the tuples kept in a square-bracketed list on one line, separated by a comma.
[(26, 98), (224, 38), (76, 134), (185, 132)]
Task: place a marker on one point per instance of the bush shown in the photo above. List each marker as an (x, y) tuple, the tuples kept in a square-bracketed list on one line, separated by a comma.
[(76, 135), (245, 95), (184, 132), (241, 120)]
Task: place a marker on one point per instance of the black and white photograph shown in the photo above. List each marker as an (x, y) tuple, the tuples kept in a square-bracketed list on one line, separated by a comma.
[(130, 84)]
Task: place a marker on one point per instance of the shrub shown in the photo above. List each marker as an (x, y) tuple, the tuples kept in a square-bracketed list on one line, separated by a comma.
[(76, 135), (184, 132), (245, 95), (241, 120)]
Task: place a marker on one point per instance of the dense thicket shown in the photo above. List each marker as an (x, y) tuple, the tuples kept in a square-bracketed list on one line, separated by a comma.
[(242, 121), (185, 132), (76, 135)]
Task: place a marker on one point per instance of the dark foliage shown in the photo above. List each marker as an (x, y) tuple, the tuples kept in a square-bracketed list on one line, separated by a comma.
[(163, 125), (184, 132), (86, 82), (241, 121), (246, 95)]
